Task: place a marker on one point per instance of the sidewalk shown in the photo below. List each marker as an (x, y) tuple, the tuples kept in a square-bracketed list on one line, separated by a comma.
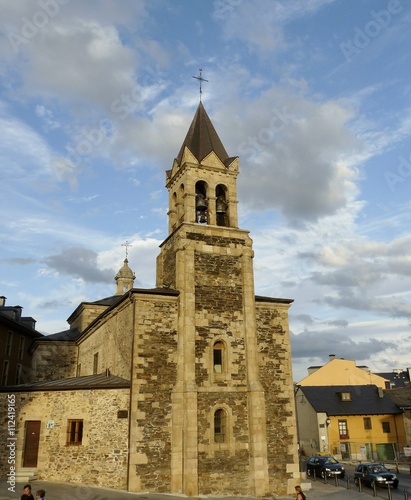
[(321, 490), (63, 491)]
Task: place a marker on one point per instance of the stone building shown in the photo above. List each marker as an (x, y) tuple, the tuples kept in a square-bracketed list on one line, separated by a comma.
[(184, 388)]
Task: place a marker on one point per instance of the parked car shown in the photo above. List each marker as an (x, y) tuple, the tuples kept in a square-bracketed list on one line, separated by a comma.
[(323, 466), (375, 474)]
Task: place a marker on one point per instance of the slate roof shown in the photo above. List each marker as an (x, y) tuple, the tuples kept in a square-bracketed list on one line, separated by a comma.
[(262, 298), (365, 400), (69, 335), (99, 381), (397, 379), (401, 396), (19, 326), (202, 138)]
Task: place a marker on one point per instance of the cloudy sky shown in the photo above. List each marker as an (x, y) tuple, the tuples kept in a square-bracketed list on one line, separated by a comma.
[(313, 95)]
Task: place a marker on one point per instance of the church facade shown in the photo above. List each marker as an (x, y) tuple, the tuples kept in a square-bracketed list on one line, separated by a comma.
[(184, 388)]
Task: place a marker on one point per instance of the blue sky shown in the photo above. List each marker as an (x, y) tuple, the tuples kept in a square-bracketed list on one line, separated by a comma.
[(313, 95)]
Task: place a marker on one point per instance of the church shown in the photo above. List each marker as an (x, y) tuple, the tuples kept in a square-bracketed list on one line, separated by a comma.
[(184, 388)]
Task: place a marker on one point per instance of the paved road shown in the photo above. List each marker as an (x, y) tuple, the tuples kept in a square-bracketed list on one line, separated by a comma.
[(60, 491)]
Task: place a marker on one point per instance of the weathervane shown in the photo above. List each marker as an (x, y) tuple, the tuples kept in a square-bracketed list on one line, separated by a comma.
[(201, 80), (126, 244)]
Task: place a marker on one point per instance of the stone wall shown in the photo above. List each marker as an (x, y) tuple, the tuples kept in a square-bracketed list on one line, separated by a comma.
[(153, 378), (276, 378), (214, 274), (85, 314), (54, 360), (223, 468), (166, 264), (101, 459), (111, 340)]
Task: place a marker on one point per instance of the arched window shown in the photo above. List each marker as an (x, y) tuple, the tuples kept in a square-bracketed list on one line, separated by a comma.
[(201, 203), (180, 204), (218, 357), (221, 205), (220, 426), (173, 211)]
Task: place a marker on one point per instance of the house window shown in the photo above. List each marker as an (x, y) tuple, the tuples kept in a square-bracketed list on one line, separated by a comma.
[(220, 423), (386, 427), (218, 354), (95, 363), (342, 429), (21, 347), (345, 396), (5, 373), (74, 432), (9, 343), (367, 423), (18, 374)]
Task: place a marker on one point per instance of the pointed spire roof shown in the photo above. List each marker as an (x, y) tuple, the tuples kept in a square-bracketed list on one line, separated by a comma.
[(202, 138)]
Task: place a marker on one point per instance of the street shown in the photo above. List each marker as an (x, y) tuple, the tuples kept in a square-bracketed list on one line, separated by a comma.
[(404, 486)]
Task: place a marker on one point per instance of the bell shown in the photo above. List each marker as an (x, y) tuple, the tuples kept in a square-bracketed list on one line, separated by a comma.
[(221, 206), (201, 203)]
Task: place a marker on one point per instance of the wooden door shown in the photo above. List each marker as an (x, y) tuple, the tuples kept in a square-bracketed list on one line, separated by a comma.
[(31, 443)]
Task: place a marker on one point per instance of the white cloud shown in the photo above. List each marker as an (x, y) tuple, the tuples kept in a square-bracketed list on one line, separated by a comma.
[(261, 24), (24, 155)]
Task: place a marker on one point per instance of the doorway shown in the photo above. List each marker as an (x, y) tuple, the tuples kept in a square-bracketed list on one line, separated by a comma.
[(386, 451), (345, 451), (31, 443)]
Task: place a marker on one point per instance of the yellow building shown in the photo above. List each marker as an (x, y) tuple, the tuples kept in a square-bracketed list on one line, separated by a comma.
[(342, 409), (339, 371), (351, 422)]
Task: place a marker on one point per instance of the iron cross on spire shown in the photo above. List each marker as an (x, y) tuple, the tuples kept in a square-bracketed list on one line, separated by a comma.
[(126, 244), (201, 80)]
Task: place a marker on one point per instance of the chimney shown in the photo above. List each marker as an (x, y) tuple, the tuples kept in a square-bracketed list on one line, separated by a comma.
[(380, 392), (2, 300), (331, 357)]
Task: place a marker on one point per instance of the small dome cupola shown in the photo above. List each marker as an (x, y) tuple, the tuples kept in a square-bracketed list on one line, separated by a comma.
[(124, 279)]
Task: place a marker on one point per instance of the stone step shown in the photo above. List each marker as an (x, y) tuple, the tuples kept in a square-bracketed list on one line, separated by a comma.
[(26, 474), (305, 485)]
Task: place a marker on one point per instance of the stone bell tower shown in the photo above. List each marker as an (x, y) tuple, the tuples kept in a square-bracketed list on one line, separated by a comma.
[(202, 183), (219, 437)]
